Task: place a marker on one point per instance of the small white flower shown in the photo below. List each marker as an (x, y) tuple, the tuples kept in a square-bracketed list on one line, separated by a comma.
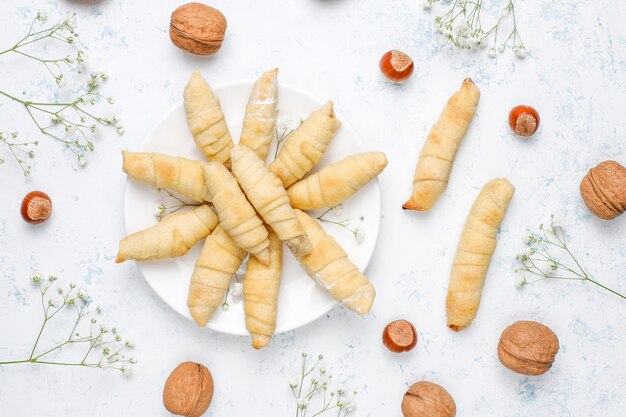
[(556, 222), (36, 279), (81, 294), (225, 307), (82, 160), (71, 22), (359, 235), (521, 52), (337, 210), (159, 210), (520, 282), (42, 16), (120, 130), (237, 288), (491, 53), (302, 403), (103, 363), (501, 48), (293, 384), (52, 303), (132, 360), (3, 135), (129, 343), (111, 100), (127, 371), (284, 124), (60, 80)]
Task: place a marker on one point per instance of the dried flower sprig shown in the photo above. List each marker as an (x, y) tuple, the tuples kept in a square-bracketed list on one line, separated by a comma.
[(462, 25), (94, 339), (237, 290), (358, 232), (165, 208), (312, 384), (69, 122), (541, 260), (285, 131)]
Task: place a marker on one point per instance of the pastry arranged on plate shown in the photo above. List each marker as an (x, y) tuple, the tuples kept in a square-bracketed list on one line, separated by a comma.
[(250, 208)]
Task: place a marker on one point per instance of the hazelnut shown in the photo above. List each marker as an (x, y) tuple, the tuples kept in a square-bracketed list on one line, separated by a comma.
[(528, 348), (188, 390), (396, 65), (399, 336), (197, 28), (426, 399), (524, 120), (604, 190), (36, 207)]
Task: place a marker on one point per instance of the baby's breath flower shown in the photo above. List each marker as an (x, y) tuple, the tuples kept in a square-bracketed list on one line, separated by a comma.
[(544, 254), (521, 282), (120, 130), (462, 26), (237, 288), (337, 210), (42, 16), (359, 235), (36, 279)]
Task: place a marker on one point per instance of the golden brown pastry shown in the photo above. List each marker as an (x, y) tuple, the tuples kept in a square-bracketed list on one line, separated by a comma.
[(473, 255), (306, 145), (171, 237), (206, 120), (268, 196), (259, 123), (175, 174), (331, 269), (260, 294), (435, 161), (236, 214), (336, 182), (219, 260)]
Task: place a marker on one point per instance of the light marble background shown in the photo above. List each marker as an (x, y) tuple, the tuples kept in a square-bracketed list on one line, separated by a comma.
[(573, 76)]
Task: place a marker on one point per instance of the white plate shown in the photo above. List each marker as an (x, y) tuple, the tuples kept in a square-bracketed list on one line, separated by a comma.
[(300, 301)]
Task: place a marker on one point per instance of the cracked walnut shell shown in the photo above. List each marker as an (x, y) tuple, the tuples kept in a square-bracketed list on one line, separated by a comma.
[(197, 28), (188, 390), (528, 348), (427, 399), (604, 190)]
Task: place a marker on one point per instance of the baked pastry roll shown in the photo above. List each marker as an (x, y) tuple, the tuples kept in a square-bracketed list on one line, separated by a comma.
[(219, 260), (175, 174), (171, 237), (306, 145), (259, 123), (473, 255), (268, 196), (336, 182), (435, 161), (331, 269), (206, 120), (260, 294), (236, 214)]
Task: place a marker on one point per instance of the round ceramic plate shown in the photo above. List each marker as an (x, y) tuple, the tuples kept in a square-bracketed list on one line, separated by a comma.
[(301, 300)]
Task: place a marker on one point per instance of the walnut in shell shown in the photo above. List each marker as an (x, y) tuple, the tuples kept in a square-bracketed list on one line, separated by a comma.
[(427, 399), (197, 28), (188, 390), (604, 190), (528, 348)]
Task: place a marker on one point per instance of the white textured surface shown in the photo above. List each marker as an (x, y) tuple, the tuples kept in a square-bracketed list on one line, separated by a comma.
[(574, 76)]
